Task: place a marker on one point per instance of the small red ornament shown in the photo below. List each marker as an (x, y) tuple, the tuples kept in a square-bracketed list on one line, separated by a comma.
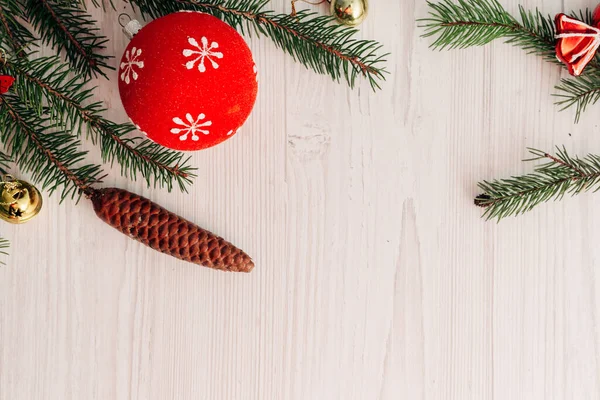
[(5, 83), (577, 41), (188, 81)]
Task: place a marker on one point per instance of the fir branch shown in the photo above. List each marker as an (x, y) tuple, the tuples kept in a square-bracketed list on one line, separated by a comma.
[(471, 23), (535, 34), (43, 149), (16, 36), (479, 22), (580, 92), (48, 80), (65, 26), (314, 41), (560, 175), (158, 165)]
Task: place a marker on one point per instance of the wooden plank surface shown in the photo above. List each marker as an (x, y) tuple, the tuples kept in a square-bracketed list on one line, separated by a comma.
[(376, 277)]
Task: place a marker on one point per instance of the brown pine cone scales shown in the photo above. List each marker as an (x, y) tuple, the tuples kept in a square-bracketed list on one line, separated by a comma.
[(147, 222)]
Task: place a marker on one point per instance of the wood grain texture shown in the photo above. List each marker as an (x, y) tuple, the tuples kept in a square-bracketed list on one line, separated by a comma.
[(375, 278)]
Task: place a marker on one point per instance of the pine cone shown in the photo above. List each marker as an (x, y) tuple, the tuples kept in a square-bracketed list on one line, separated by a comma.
[(147, 222)]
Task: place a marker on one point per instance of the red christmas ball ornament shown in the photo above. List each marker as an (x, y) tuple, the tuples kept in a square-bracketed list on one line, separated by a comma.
[(187, 80)]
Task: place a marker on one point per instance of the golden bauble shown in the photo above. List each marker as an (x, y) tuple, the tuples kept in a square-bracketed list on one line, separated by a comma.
[(350, 12), (20, 201)]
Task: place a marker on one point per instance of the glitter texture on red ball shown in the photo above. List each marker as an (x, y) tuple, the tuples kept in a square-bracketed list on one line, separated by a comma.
[(188, 81)]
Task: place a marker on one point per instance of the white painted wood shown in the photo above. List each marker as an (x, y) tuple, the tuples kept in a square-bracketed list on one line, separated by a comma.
[(376, 277)]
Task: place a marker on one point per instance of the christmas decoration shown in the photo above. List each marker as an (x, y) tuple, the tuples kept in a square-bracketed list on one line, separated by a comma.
[(203, 72), (5, 83), (577, 42), (152, 225), (350, 12), (569, 39), (49, 106), (19, 200), (31, 135), (560, 175)]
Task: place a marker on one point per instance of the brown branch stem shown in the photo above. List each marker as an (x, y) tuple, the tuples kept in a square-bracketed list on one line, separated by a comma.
[(11, 37), (564, 164)]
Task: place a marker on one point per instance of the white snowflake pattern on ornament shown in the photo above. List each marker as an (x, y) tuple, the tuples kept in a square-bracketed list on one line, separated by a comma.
[(128, 66), (203, 53), (191, 126)]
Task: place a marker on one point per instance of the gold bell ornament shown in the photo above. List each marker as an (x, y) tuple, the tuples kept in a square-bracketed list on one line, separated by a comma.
[(347, 12), (20, 201)]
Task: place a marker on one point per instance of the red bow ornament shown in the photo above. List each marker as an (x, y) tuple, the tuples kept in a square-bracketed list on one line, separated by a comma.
[(5, 83), (577, 41)]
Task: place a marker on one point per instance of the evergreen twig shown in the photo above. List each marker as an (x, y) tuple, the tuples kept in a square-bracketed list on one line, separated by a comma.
[(469, 23), (67, 27), (47, 80), (12, 32), (314, 41), (561, 174), (40, 147), (580, 92), (478, 22)]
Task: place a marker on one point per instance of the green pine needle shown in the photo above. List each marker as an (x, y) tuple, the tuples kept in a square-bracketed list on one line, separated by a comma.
[(580, 92), (65, 26), (317, 42), (466, 24), (478, 22), (42, 148), (12, 33), (560, 175)]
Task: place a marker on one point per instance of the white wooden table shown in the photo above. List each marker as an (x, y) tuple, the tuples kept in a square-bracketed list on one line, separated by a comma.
[(375, 278)]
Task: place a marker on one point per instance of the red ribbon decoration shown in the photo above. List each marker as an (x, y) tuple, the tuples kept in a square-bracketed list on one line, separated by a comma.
[(577, 41), (5, 83)]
